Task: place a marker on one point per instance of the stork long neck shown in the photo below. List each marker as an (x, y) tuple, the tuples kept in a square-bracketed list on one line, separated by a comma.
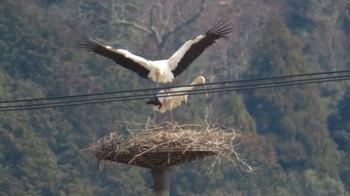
[(189, 88)]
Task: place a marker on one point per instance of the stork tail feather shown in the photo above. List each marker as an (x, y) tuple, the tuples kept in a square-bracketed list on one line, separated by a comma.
[(154, 101)]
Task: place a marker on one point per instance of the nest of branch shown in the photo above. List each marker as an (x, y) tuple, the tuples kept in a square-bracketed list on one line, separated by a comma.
[(169, 145)]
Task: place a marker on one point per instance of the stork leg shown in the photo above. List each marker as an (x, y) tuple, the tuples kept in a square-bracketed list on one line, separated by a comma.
[(171, 119), (154, 117), (171, 116), (157, 80)]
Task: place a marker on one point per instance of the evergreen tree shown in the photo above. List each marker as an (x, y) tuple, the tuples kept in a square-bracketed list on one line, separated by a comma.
[(293, 118), (339, 126), (339, 123)]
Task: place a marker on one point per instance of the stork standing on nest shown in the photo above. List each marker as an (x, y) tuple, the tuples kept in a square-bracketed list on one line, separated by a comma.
[(170, 99), (161, 71)]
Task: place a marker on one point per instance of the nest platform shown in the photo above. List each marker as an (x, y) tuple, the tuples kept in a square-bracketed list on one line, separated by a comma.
[(166, 147), (160, 158)]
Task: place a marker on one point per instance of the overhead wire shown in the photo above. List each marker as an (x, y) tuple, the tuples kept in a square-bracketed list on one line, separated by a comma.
[(161, 88), (143, 96), (251, 84), (114, 99)]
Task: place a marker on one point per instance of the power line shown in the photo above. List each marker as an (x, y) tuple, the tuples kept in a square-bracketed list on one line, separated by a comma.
[(242, 87), (179, 93), (157, 89)]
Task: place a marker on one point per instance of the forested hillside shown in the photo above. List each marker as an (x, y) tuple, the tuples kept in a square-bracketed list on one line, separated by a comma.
[(297, 137)]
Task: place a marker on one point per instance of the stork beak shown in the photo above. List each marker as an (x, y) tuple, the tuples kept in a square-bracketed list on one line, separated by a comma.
[(206, 92)]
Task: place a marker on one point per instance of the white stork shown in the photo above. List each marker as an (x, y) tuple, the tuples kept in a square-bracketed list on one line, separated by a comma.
[(171, 98), (161, 71)]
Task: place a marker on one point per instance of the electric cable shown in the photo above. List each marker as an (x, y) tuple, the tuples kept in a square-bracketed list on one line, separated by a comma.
[(249, 86), (160, 88)]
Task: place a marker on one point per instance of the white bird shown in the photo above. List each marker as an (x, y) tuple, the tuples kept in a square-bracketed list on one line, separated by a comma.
[(169, 99), (161, 71)]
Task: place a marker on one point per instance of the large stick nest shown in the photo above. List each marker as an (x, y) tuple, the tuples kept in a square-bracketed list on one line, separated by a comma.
[(168, 145)]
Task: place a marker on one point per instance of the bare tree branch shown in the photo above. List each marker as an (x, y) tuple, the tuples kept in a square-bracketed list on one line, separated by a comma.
[(185, 23)]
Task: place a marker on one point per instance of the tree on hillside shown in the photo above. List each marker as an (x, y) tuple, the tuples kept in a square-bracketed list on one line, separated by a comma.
[(339, 126), (339, 123), (292, 117), (157, 20)]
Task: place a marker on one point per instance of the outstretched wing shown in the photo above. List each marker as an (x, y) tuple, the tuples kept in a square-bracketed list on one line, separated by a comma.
[(188, 52), (122, 57)]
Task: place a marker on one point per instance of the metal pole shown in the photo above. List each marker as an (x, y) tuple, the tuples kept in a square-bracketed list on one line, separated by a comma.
[(161, 181)]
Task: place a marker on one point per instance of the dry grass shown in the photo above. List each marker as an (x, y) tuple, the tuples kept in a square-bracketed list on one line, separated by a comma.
[(173, 141)]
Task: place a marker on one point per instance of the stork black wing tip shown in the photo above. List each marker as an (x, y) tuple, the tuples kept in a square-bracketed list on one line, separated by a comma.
[(88, 43), (221, 28)]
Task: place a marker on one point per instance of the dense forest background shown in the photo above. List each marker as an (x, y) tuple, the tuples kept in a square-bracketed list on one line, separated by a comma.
[(297, 137)]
